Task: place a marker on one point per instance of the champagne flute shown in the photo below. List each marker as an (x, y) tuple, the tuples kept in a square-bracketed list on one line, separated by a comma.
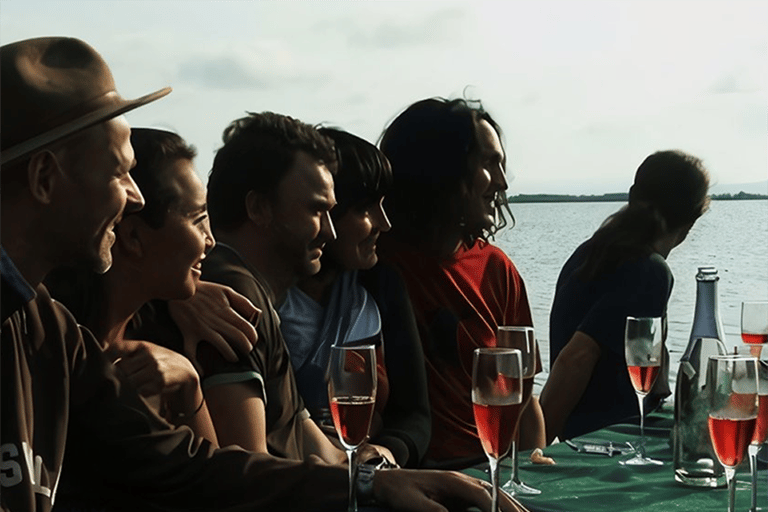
[(497, 395), (732, 403), (760, 353), (352, 395), (754, 322), (523, 339), (643, 347)]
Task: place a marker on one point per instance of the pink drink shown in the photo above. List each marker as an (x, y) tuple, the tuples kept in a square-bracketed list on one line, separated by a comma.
[(495, 426), (761, 427), (643, 377), (754, 338), (730, 438), (352, 417)]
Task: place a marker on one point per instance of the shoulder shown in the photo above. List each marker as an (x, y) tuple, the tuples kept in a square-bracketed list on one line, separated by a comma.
[(224, 266), (484, 254), (652, 267)]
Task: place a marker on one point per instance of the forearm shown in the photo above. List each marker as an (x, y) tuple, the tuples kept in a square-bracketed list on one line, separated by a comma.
[(532, 426), (568, 379), (317, 443), (195, 415)]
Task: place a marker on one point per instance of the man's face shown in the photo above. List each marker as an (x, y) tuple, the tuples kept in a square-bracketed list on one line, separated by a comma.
[(97, 189), (488, 178), (301, 222)]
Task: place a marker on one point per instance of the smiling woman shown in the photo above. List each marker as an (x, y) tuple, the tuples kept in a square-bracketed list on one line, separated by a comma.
[(352, 300)]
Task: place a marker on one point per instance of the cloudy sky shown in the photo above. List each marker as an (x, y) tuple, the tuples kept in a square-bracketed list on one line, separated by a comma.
[(584, 90)]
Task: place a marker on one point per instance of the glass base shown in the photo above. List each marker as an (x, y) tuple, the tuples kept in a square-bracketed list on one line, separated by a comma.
[(519, 489), (703, 477), (639, 460)]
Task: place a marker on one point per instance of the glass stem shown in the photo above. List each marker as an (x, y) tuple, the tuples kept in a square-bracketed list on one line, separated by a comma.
[(641, 448), (729, 472), (352, 498), (494, 467), (515, 476), (752, 450)]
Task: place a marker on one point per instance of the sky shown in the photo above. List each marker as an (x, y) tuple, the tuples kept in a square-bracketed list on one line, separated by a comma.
[(583, 90)]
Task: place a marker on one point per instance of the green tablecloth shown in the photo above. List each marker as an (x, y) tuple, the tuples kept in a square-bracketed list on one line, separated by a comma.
[(586, 482)]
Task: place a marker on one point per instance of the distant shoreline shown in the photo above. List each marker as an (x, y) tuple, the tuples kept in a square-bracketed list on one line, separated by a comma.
[(616, 197)]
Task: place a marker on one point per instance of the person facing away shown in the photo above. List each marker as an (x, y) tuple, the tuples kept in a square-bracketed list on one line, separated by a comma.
[(352, 299), (619, 272), (447, 198), (156, 255), (65, 157)]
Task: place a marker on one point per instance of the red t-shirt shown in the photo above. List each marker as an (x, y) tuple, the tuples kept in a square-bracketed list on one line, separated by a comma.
[(459, 302)]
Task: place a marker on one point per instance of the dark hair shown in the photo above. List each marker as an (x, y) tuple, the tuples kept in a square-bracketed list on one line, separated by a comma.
[(669, 193), (258, 151), (363, 174), (429, 146), (155, 150)]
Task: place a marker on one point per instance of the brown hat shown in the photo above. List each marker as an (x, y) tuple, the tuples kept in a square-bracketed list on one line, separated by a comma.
[(53, 87)]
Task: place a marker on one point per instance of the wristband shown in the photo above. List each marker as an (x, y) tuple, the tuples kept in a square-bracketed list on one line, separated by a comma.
[(185, 416)]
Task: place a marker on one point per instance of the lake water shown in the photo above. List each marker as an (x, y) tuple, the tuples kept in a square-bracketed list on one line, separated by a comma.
[(732, 236)]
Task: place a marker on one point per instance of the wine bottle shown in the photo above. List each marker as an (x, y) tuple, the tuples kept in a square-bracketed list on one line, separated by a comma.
[(694, 458)]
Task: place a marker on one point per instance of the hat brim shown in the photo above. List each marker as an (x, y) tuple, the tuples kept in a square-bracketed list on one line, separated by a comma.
[(92, 118)]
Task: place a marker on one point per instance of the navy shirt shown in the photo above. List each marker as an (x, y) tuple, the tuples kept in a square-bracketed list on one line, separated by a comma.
[(599, 308)]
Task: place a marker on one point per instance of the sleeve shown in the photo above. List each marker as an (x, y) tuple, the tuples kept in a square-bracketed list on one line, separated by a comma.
[(407, 419), (641, 288), (518, 309), (218, 371)]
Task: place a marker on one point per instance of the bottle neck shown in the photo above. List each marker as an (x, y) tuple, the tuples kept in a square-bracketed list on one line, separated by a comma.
[(706, 318)]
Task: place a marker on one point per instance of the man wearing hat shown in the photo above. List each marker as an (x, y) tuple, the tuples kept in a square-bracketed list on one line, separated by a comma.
[(65, 158)]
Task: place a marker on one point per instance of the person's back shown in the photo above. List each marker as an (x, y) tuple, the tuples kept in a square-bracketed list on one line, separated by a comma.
[(619, 272), (607, 397)]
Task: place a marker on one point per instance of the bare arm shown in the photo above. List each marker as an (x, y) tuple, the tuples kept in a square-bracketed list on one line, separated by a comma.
[(532, 430), (239, 416), (567, 381), (219, 315), (317, 443)]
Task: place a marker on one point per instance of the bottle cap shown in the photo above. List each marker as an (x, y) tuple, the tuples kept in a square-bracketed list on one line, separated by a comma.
[(708, 273)]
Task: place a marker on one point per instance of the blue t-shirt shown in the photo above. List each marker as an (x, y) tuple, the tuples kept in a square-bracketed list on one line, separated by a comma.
[(599, 308)]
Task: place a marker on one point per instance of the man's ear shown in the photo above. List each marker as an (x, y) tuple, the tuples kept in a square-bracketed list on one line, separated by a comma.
[(258, 208), (129, 236), (43, 173)]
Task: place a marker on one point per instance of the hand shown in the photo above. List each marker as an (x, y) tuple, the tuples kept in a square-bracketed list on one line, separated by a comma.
[(219, 315), (156, 370), (436, 491), (538, 457)]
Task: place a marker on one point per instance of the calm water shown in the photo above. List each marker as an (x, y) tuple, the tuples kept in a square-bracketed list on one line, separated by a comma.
[(732, 236)]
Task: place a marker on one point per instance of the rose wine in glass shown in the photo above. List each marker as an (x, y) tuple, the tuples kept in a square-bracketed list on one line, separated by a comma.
[(754, 322), (733, 406), (643, 348), (759, 352), (523, 339), (352, 395), (497, 395)]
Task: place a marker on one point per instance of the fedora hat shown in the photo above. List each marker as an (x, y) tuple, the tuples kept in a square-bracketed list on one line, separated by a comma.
[(53, 87)]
